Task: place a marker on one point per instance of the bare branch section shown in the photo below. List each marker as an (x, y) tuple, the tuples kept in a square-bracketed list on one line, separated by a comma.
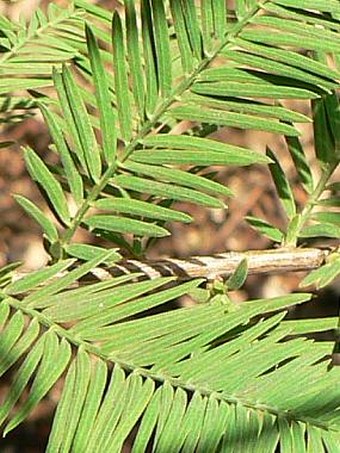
[(214, 266), (224, 264)]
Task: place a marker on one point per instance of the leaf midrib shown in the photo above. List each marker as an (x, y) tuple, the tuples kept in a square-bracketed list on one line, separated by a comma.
[(159, 377), (38, 32), (149, 125)]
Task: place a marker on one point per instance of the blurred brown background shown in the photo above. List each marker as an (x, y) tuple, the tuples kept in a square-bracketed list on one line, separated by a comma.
[(212, 231)]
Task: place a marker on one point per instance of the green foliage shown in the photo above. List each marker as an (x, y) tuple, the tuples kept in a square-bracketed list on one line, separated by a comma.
[(29, 51), (325, 274), (229, 377)]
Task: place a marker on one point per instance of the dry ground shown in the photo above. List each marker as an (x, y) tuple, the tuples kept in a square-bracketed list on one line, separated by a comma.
[(213, 230)]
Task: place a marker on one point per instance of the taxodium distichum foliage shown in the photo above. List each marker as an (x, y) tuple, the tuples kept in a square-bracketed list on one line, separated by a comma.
[(112, 87)]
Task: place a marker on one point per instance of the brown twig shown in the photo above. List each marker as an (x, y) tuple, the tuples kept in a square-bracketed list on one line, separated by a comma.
[(224, 264), (219, 265)]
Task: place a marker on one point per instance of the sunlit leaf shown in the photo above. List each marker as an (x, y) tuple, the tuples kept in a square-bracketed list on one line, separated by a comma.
[(327, 230), (142, 209), (88, 252), (282, 185), (237, 279), (265, 228), (148, 186), (46, 224), (42, 175), (125, 225), (36, 278), (233, 154), (73, 177), (107, 117), (324, 275), (82, 124), (121, 79)]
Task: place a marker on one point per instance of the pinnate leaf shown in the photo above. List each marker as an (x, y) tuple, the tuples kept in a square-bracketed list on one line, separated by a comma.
[(42, 175)]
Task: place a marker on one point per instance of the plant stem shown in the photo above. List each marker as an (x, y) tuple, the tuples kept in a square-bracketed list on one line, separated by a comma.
[(158, 376), (150, 124), (39, 32), (313, 199), (222, 265)]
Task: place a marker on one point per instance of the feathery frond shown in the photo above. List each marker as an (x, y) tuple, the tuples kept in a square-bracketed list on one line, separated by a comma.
[(231, 377), (222, 366), (149, 93), (28, 51)]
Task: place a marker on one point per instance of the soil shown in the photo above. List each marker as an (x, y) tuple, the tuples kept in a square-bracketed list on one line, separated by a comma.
[(212, 231)]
